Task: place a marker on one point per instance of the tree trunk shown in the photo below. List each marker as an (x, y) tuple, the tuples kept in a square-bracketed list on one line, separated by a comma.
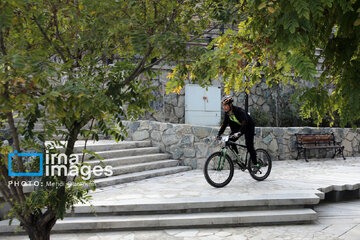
[(39, 234), (36, 232)]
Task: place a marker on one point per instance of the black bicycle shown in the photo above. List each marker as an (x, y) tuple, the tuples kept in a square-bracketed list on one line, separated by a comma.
[(219, 167)]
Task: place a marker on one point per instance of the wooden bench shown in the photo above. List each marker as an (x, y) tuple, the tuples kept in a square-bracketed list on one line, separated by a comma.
[(317, 141)]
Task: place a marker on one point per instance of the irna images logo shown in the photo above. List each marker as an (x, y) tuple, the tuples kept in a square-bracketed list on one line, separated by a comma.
[(25, 174), (59, 164)]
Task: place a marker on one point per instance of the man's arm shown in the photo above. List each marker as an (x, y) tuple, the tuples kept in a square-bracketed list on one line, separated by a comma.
[(224, 125), (243, 126), (241, 116)]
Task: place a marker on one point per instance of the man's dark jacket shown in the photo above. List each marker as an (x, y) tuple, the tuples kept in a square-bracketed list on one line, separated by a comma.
[(240, 115)]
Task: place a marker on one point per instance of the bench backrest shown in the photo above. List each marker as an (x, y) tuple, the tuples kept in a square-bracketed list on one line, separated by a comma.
[(314, 138)]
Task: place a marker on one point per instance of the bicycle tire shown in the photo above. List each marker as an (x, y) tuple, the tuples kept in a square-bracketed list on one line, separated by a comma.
[(263, 158), (208, 175)]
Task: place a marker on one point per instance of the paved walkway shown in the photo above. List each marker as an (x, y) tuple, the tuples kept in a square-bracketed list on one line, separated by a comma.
[(336, 220), (286, 177)]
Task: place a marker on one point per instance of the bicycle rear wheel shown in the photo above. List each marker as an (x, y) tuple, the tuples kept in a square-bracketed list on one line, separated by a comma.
[(218, 170), (264, 160)]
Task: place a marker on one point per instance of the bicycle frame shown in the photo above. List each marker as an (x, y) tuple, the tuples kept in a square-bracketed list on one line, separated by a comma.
[(239, 161), (217, 161)]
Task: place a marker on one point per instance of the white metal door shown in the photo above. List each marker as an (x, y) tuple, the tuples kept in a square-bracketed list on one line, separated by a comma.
[(202, 107)]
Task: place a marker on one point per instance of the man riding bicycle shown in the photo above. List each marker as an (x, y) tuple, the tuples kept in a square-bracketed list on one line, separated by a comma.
[(240, 123)]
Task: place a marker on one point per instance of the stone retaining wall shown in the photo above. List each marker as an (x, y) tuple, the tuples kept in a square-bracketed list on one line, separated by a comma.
[(193, 144), (273, 103)]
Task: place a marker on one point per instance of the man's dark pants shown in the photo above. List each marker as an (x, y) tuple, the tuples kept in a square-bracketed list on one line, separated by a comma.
[(249, 142)]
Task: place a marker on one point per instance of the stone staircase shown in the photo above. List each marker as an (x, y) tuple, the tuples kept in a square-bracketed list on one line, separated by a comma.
[(140, 214), (130, 161)]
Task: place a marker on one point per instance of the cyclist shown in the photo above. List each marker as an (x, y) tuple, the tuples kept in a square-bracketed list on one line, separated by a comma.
[(240, 123)]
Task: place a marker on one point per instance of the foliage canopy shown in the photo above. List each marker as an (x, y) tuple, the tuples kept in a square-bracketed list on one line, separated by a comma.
[(283, 40)]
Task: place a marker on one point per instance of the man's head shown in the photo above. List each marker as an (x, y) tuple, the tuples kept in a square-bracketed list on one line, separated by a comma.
[(226, 102)]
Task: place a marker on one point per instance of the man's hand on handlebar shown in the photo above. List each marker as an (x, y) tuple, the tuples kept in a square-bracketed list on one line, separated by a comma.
[(236, 135)]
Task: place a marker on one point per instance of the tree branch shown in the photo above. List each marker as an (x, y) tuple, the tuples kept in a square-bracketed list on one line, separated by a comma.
[(57, 48), (140, 67), (148, 67), (45, 218), (2, 44), (7, 196), (191, 39), (15, 137), (5, 191), (19, 189), (12, 190), (58, 32)]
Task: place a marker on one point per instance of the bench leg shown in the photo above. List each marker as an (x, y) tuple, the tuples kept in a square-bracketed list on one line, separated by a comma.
[(305, 155), (335, 151), (298, 153), (342, 152)]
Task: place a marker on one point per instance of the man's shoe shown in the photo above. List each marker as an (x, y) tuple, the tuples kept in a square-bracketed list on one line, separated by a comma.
[(262, 163), (255, 168)]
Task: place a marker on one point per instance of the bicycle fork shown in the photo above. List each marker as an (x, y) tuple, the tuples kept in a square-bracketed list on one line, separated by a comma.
[(222, 157)]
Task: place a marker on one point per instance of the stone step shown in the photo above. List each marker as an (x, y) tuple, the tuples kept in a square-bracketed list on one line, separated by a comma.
[(61, 131), (104, 182), (39, 127), (39, 124), (124, 152), (198, 204), (106, 145), (241, 218), (113, 145), (60, 134), (115, 162), (61, 137), (58, 129), (140, 167), (163, 221)]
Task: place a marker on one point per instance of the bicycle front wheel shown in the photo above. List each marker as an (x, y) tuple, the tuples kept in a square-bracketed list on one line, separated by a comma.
[(218, 170), (264, 160)]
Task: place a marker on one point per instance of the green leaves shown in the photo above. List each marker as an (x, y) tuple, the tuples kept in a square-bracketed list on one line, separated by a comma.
[(302, 8), (291, 24), (304, 66)]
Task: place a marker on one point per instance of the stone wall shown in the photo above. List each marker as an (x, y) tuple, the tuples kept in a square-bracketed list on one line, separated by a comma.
[(268, 104), (193, 144), (271, 105), (167, 107)]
